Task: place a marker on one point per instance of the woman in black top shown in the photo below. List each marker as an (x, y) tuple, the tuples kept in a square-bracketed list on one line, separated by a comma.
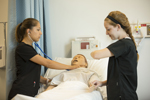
[(122, 67), (28, 62)]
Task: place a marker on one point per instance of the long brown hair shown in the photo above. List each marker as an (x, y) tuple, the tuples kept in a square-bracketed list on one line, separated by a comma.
[(123, 20), (21, 28)]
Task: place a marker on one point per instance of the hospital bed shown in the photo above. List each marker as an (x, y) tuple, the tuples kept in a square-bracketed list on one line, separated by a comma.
[(72, 90)]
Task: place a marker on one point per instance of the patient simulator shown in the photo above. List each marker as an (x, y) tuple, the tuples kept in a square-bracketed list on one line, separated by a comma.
[(70, 85), (80, 74)]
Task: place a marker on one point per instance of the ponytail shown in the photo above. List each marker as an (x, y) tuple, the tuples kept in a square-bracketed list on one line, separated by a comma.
[(128, 31), (18, 35)]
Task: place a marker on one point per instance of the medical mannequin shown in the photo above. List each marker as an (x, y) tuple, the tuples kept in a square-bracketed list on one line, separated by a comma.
[(122, 68), (28, 62), (81, 74)]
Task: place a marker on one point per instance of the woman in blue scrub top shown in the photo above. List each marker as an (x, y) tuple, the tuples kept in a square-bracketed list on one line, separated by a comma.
[(123, 57), (28, 62)]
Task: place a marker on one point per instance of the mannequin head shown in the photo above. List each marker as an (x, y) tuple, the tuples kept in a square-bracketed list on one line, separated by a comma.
[(80, 60)]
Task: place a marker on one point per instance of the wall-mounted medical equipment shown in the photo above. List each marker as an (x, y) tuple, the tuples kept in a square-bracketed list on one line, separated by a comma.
[(2, 56), (85, 45), (3, 45), (140, 31)]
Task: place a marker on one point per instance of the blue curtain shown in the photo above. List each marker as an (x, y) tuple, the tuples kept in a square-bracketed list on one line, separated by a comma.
[(18, 10)]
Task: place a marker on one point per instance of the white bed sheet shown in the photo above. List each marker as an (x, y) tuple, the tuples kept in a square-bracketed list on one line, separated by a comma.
[(70, 90)]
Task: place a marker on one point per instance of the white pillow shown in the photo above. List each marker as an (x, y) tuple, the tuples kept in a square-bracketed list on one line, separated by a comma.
[(99, 66)]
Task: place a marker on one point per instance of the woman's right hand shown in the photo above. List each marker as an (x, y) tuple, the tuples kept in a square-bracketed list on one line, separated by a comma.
[(74, 66)]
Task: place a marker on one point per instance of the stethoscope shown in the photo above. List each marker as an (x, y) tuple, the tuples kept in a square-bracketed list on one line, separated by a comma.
[(39, 47), (42, 50)]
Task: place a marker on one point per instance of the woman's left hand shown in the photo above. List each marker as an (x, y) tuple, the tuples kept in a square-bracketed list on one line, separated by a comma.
[(96, 83)]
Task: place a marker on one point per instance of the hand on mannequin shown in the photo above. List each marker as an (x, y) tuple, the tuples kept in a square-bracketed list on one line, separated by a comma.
[(96, 84)]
